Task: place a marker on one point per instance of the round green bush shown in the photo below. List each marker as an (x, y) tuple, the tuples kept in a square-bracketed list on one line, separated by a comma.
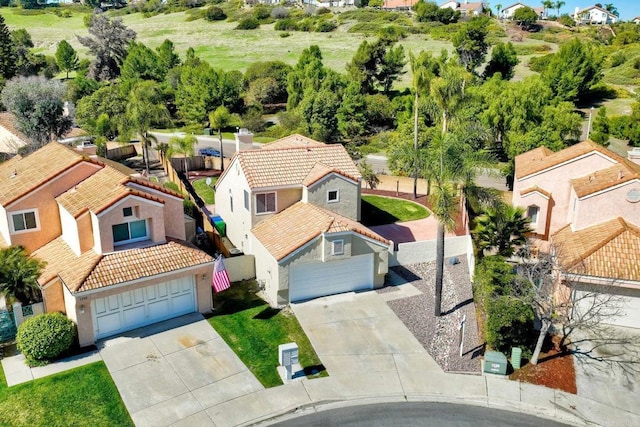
[(45, 336), (214, 13), (248, 24)]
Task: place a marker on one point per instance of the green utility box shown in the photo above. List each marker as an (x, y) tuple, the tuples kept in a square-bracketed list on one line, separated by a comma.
[(495, 363), (221, 226), (516, 357)]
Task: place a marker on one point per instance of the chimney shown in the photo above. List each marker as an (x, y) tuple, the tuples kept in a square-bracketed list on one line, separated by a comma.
[(244, 139)]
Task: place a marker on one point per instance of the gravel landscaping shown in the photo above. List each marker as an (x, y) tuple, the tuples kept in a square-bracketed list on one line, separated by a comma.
[(440, 335)]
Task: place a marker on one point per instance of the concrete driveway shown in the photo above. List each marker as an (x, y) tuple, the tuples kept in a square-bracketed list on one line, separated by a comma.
[(174, 371), (359, 333)]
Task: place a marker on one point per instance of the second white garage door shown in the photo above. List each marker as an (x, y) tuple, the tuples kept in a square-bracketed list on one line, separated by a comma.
[(140, 307), (626, 303), (308, 281)]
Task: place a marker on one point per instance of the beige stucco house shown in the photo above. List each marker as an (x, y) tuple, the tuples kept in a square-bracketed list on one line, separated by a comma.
[(465, 7), (507, 12), (295, 205), (594, 15), (584, 199), (113, 244)]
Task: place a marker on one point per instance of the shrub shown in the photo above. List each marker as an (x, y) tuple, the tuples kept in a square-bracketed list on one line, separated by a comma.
[(540, 63), (617, 58), (326, 26), (286, 24), (214, 13), (509, 323), (172, 186), (279, 13), (45, 337), (248, 24), (261, 12), (323, 11), (285, 35), (567, 21)]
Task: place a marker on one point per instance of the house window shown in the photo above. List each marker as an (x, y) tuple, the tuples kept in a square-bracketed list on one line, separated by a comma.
[(231, 200), (337, 247), (265, 203), (127, 212), (24, 221), (246, 199), (129, 232), (333, 196), (532, 213)]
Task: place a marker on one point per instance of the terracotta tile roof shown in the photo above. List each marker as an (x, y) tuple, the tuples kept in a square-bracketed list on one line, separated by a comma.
[(535, 189), (35, 169), (99, 191), (397, 4), (319, 171), (609, 250), (303, 223), (7, 121), (542, 158), (603, 179), (470, 6), (62, 261), (292, 141), (124, 266), (290, 166)]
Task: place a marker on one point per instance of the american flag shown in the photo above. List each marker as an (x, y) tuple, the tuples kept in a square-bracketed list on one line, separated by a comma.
[(220, 280)]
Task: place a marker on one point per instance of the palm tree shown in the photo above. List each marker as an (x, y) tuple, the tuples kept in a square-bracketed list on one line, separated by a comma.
[(19, 274), (547, 4), (145, 109), (503, 228), (558, 5), (219, 119), (498, 9), (185, 146), (609, 7)]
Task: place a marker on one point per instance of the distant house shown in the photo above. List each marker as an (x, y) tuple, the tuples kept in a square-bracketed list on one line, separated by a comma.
[(295, 205), (114, 245), (594, 15), (465, 7), (399, 4), (636, 20), (507, 12), (585, 199)]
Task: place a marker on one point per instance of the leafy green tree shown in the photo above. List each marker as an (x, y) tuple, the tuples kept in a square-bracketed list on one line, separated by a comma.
[(108, 41), (7, 53), (600, 129), (142, 63), (319, 111), (503, 229), (351, 115), (167, 55), (509, 322), (428, 11), (66, 57), (275, 73), (573, 70), (219, 119), (368, 175), (376, 63), (19, 275), (108, 101), (37, 103), (470, 43), (525, 17), (306, 75), (185, 146), (145, 108), (503, 60)]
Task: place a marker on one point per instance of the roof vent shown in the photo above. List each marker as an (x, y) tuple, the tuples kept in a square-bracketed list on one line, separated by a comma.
[(620, 175), (14, 173)]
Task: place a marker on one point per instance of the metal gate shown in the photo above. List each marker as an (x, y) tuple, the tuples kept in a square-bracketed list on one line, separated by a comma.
[(7, 326)]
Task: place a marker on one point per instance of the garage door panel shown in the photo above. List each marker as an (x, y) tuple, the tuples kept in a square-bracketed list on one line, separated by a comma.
[(140, 307), (308, 281), (628, 307)]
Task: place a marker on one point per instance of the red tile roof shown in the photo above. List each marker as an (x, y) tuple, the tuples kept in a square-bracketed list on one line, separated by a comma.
[(311, 221)]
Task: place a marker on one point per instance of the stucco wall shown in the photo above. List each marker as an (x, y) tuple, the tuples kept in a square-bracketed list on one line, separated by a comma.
[(557, 181), (43, 198), (173, 212), (53, 297), (4, 226), (425, 251), (241, 267), (605, 206), (239, 221), (349, 201), (545, 205), (70, 230), (267, 272), (284, 198), (152, 212)]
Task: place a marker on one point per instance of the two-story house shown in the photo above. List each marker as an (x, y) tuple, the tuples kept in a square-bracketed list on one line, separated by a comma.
[(465, 7), (295, 205), (507, 12), (594, 15), (584, 199), (113, 244)]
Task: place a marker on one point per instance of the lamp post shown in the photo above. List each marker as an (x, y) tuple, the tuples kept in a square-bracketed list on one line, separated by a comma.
[(589, 125)]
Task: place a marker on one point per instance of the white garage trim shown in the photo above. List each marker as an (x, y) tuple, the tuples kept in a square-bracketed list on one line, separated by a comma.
[(132, 309), (308, 281), (627, 304)]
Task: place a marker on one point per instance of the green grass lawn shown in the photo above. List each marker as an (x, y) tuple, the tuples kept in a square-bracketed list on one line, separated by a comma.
[(378, 210), (205, 191), (254, 330), (78, 397)]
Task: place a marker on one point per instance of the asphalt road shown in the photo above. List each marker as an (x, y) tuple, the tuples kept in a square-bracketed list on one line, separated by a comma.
[(417, 414)]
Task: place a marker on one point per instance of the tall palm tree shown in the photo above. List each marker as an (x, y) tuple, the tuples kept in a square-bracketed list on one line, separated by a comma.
[(219, 119), (498, 9), (502, 228), (547, 4), (145, 108), (19, 274), (609, 7), (559, 5), (185, 146)]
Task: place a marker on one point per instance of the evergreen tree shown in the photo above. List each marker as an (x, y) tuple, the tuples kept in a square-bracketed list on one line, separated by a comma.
[(503, 61), (167, 55), (600, 128), (66, 57), (470, 43), (7, 53)]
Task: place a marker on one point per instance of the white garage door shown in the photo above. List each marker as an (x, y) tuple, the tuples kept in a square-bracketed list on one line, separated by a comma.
[(628, 305), (132, 309), (308, 281)]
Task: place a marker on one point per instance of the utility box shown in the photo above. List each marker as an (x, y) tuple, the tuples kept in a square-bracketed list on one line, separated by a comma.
[(516, 357), (495, 363), (288, 357)]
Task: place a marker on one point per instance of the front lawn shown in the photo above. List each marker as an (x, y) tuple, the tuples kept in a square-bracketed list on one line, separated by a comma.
[(378, 210), (81, 396), (254, 330), (205, 191)]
